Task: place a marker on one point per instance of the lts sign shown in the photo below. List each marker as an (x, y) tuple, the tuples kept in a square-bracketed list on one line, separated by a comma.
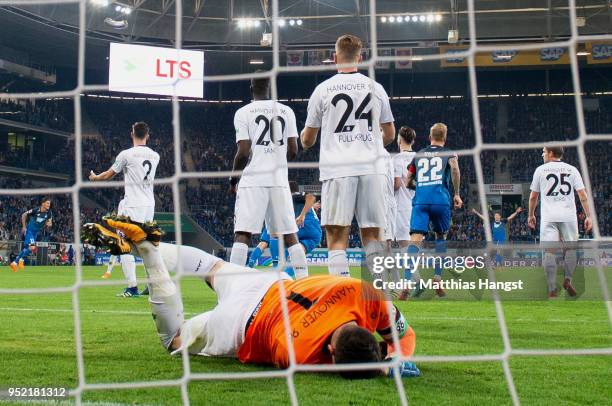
[(155, 70)]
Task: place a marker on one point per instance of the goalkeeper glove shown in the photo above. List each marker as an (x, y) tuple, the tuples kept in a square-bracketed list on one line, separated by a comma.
[(407, 369)]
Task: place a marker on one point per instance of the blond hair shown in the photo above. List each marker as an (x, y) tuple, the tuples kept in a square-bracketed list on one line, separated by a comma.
[(348, 48), (438, 132)]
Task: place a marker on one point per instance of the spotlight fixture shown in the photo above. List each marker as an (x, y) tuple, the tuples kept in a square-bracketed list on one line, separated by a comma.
[(430, 18), (127, 10), (241, 23), (415, 19), (299, 22), (256, 23), (438, 17), (392, 19), (117, 8), (249, 23), (281, 23), (292, 22), (422, 18), (256, 62), (383, 19)]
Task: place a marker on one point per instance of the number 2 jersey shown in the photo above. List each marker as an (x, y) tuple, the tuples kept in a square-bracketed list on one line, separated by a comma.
[(268, 125), (349, 108), (556, 182), (432, 173), (317, 306), (138, 165)]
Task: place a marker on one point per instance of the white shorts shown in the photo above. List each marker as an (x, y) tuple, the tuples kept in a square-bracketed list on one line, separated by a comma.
[(138, 214), (272, 204), (239, 290), (559, 231), (359, 196), (402, 224)]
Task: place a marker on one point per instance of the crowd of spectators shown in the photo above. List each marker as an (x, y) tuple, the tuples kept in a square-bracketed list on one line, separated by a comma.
[(207, 136)]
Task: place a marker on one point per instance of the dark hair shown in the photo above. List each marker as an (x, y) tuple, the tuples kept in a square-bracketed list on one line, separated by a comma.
[(45, 199), (407, 134), (294, 187), (557, 151), (260, 86), (356, 345), (348, 48), (140, 130)]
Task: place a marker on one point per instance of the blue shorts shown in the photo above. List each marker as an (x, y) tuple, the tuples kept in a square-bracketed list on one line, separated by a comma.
[(309, 236), (30, 237), (438, 214)]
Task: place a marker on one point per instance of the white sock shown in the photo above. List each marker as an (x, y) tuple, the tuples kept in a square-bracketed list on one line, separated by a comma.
[(571, 259), (338, 263), (160, 283), (549, 262), (297, 256), (239, 254), (372, 250), (128, 266), (111, 263)]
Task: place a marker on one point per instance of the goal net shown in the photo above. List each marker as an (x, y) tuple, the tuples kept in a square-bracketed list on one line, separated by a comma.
[(171, 185)]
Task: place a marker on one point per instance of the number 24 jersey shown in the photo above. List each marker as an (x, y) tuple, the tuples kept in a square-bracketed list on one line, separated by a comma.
[(556, 182), (268, 125)]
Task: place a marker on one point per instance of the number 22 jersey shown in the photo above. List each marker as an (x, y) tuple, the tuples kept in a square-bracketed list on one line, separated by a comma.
[(431, 171), (349, 108)]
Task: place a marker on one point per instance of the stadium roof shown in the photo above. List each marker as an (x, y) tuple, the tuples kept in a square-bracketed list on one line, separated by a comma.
[(215, 24)]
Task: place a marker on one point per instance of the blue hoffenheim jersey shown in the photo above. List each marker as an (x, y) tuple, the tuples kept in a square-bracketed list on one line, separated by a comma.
[(299, 199), (37, 219), (432, 174), (498, 229)]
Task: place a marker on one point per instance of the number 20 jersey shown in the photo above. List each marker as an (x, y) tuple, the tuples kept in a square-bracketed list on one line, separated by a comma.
[(268, 125), (138, 165), (349, 108), (431, 171), (556, 182)]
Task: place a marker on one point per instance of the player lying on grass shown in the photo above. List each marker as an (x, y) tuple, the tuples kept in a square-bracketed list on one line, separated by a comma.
[(32, 223), (332, 319)]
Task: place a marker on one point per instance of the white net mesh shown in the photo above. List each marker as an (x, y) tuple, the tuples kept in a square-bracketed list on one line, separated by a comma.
[(179, 174)]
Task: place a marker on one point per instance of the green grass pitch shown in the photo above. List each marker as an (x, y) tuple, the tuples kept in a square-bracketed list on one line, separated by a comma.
[(37, 349)]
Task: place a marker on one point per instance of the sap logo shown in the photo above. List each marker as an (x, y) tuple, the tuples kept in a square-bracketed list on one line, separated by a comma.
[(503, 56), (551, 54), (602, 51), (455, 59)]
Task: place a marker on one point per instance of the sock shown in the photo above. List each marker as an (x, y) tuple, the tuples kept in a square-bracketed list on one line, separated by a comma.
[(290, 271), (440, 249), (298, 260), (24, 253), (254, 257), (571, 259), (412, 251), (239, 254), (550, 268), (372, 250), (111, 263), (338, 263), (128, 266), (274, 253), (165, 300)]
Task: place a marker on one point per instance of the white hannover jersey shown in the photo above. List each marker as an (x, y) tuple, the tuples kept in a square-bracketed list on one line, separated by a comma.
[(349, 108), (138, 165), (556, 182), (267, 127), (403, 195)]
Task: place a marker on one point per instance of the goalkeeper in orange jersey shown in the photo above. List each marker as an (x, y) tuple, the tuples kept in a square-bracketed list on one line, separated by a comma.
[(332, 319)]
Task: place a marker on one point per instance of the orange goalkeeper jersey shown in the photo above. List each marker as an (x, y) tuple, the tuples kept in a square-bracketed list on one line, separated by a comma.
[(317, 306)]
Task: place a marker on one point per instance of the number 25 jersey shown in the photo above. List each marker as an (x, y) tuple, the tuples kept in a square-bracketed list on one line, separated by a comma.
[(431, 171), (349, 108), (268, 125), (556, 182)]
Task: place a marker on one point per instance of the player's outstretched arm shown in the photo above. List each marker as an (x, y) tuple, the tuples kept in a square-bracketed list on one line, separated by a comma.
[(516, 213), (388, 132), (308, 137), (106, 175), (476, 212), (24, 221), (456, 178), (584, 201), (241, 159), (533, 203)]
